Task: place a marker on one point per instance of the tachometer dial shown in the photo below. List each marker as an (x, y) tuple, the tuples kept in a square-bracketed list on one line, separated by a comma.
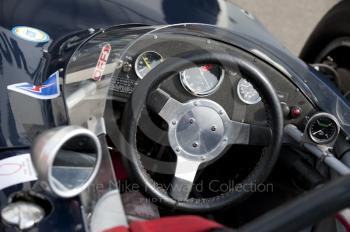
[(145, 62), (247, 93), (203, 80), (323, 128)]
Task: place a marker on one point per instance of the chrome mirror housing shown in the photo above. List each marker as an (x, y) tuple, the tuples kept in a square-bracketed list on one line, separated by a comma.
[(67, 159)]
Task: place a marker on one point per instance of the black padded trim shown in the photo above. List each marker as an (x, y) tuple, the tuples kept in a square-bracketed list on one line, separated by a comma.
[(260, 135), (156, 100)]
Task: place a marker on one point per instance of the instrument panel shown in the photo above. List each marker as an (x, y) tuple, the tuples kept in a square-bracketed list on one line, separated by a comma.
[(207, 80)]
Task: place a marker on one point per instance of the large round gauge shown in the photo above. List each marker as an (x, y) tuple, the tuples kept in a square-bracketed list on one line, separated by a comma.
[(203, 80), (323, 128), (145, 62), (247, 93)]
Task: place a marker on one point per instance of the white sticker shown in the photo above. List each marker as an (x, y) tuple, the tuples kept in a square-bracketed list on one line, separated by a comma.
[(30, 34), (15, 170), (102, 62), (49, 89)]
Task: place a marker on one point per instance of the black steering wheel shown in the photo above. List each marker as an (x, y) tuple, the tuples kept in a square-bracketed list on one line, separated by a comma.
[(194, 119)]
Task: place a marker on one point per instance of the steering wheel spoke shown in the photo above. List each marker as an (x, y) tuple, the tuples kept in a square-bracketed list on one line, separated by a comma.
[(248, 134), (163, 104), (184, 177)]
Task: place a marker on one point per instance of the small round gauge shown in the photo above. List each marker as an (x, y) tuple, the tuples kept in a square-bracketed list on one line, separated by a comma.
[(202, 80), (146, 61), (323, 128), (247, 93)]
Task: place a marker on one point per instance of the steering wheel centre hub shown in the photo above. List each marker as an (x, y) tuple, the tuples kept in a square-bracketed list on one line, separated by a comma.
[(198, 130)]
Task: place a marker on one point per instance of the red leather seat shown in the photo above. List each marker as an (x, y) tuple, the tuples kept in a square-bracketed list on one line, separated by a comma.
[(170, 224)]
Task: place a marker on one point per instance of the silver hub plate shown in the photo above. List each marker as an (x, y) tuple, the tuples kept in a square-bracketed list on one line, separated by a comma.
[(197, 131)]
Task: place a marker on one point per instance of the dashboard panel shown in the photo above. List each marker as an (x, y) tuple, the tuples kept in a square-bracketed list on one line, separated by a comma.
[(244, 103)]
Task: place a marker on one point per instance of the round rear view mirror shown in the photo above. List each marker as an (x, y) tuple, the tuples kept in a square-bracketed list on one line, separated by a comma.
[(67, 159)]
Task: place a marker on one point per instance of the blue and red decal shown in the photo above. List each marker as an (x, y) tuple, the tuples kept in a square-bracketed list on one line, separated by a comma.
[(48, 90)]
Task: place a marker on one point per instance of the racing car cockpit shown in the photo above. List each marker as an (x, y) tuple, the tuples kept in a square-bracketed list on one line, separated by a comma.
[(182, 119)]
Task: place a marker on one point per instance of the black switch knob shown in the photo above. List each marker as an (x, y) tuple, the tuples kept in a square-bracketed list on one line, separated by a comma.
[(285, 109)]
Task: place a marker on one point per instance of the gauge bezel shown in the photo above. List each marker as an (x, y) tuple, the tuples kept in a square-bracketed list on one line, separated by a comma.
[(206, 93), (321, 141), (242, 98), (138, 59)]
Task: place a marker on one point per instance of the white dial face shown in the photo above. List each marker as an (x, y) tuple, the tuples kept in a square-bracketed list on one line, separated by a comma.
[(146, 62), (247, 93), (202, 80)]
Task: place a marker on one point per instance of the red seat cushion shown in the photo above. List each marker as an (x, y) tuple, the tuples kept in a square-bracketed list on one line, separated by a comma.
[(170, 224)]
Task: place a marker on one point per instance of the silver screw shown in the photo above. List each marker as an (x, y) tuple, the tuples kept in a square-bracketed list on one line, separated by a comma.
[(173, 122), (192, 120), (213, 128), (221, 112), (177, 149), (127, 67), (195, 144), (202, 157)]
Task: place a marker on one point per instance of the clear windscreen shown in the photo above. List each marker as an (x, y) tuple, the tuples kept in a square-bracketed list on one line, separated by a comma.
[(93, 72), (90, 70)]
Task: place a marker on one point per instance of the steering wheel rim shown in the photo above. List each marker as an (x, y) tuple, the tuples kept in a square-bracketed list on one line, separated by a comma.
[(136, 104)]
